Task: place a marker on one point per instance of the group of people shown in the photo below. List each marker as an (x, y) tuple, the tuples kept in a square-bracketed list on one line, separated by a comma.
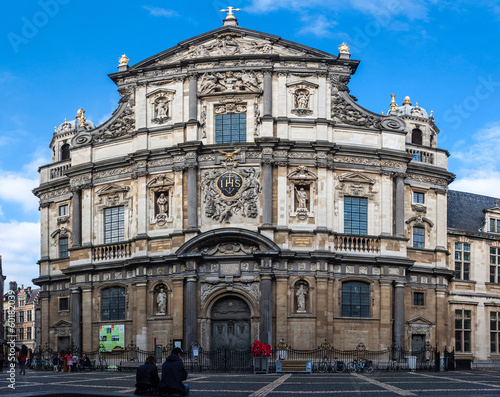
[(71, 361), (173, 373)]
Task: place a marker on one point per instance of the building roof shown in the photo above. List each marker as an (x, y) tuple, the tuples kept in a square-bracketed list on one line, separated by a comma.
[(465, 210)]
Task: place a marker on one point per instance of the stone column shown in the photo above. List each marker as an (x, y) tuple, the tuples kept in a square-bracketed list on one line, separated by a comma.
[(268, 93), (193, 97), (266, 309), (87, 320), (191, 312), (192, 209), (76, 318), (399, 314), (267, 193), (399, 213), (77, 217), (45, 320)]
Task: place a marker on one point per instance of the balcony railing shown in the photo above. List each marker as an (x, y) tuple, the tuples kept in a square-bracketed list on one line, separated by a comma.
[(57, 171), (421, 156), (357, 244), (112, 251)]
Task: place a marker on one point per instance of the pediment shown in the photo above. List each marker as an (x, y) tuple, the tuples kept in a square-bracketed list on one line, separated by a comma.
[(112, 189), (61, 324), (494, 210), (231, 41), (419, 320), (302, 173), (302, 83), (356, 177), (160, 181), (161, 92)]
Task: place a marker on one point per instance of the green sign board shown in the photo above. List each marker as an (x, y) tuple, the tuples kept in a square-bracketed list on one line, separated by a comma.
[(111, 336)]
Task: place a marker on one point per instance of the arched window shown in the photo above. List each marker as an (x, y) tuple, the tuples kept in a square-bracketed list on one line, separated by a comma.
[(416, 136), (65, 152), (355, 299), (113, 304)]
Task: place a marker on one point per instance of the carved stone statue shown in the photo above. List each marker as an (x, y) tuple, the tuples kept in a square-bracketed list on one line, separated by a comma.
[(162, 204), (161, 300), (162, 109), (302, 99), (301, 197), (301, 298)]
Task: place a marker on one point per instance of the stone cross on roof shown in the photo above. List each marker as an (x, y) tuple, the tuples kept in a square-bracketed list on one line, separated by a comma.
[(229, 11)]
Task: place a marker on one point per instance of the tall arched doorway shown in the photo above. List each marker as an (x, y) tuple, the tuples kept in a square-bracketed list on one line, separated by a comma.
[(230, 324)]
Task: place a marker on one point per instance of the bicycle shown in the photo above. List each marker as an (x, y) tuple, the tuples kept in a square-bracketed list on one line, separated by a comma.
[(362, 365), (393, 366), (102, 364), (331, 366)]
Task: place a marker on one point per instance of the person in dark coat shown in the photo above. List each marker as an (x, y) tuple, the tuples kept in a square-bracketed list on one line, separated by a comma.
[(147, 378), (173, 373)]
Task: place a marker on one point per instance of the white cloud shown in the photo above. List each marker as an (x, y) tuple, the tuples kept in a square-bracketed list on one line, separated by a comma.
[(160, 12), (318, 26), (479, 170), (16, 188), (20, 250)]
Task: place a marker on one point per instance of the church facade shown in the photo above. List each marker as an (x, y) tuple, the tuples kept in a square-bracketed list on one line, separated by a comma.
[(237, 193)]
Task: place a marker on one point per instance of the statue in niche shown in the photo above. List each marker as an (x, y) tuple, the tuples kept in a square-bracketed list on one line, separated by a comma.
[(301, 195), (162, 109), (301, 299), (161, 300), (302, 99), (162, 204)]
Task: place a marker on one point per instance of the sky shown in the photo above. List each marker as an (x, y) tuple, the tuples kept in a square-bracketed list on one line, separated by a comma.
[(55, 56)]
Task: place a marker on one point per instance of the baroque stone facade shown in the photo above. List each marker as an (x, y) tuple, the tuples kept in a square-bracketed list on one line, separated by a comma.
[(309, 218)]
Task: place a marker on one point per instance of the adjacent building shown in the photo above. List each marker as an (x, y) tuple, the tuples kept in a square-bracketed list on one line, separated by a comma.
[(239, 192)]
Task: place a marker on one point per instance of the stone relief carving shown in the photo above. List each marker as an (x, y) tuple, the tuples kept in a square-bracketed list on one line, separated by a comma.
[(356, 184), (115, 171), (357, 160), (230, 108), (160, 103), (112, 195), (62, 232), (54, 193), (257, 121), (228, 249), (419, 208), (228, 192), (229, 81), (160, 163), (428, 179), (62, 219), (301, 97), (302, 189), (203, 121), (161, 196)]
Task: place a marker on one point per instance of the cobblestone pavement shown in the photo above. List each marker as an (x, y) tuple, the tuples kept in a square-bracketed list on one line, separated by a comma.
[(459, 383)]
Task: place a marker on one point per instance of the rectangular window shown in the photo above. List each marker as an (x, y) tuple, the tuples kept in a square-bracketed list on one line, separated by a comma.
[(494, 265), (462, 261), (114, 225), (28, 333), (495, 225), (63, 303), (63, 247), (356, 215), (21, 333), (355, 299), (63, 210), (463, 329), (494, 331), (231, 128), (29, 315), (21, 301), (418, 237), (113, 304), (418, 299), (418, 197), (21, 317)]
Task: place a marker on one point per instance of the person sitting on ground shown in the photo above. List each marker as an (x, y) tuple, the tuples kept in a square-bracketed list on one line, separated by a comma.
[(172, 375), (147, 378)]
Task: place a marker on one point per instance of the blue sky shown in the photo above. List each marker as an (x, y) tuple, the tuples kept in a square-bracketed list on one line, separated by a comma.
[(55, 56)]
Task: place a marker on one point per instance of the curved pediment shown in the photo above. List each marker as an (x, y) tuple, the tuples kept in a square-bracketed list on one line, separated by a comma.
[(232, 41)]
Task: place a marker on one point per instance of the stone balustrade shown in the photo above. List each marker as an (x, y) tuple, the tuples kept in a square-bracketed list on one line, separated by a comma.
[(421, 156), (57, 170), (109, 252), (357, 244)]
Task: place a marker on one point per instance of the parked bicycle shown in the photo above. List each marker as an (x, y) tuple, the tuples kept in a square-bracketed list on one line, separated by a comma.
[(331, 366), (394, 366), (360, 365)]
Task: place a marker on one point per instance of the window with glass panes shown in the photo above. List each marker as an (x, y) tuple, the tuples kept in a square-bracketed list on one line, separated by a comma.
[(63, 303), (28, 333), (418, 197), (462, 261), (21, 317), (113, 304), (114, 225), (495, 225), (418, 237), (494, 332), (355, 215), (231, 128), (418, 299), (63, 210), (494, 265), (63, 247), (355, 299), (463, 329), (29, 315), (21, 333)]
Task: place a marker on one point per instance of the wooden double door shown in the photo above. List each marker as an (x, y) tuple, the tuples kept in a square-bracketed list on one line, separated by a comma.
[(231, 324)]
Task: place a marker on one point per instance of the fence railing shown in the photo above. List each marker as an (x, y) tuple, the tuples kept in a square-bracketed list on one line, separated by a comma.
[(354, 243), (112, 251), (232, 360), (421, 155)]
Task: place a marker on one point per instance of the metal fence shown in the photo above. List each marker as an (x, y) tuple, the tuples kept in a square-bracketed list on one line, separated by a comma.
[(230, 360)]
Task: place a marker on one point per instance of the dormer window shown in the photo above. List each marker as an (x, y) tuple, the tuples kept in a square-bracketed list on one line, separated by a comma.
[(495, 225)]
